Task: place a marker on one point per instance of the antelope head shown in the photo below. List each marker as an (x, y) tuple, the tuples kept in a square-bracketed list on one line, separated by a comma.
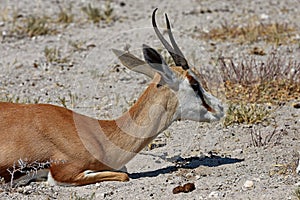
[(194, 103)]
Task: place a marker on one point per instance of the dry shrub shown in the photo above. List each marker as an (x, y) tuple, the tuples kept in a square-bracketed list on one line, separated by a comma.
[(274, 81), (25, 168), (262, 137), (250, 84)]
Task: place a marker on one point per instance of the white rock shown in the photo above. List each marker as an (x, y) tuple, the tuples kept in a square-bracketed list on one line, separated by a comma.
[(98, 184), (264, 16), (248, 184)]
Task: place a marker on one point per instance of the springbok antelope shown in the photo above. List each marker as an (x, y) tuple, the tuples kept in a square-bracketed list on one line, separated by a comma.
[(82, 150)]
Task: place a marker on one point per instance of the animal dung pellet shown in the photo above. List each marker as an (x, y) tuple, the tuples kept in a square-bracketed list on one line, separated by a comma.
[(296, 105), (188, 187)]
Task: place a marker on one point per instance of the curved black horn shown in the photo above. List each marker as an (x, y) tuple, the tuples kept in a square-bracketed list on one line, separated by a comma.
[(178, 52), (162, 39), (174, 51)]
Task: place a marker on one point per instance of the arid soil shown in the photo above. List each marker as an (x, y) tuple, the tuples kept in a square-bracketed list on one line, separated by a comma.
[(84, 75)]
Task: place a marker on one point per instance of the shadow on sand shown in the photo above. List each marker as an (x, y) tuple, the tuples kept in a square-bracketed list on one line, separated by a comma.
[(188, 163)]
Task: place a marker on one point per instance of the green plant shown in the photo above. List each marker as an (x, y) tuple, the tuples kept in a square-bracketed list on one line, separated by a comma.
[(246, 113)]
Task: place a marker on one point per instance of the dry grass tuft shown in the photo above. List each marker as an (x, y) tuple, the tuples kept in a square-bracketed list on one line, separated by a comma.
[(285, 167), (253, 31), (53, 55), (17, 99), (96, 15), (65, 16), (33, 26)]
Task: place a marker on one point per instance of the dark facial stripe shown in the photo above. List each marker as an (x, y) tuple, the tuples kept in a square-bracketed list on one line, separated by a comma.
[(196, 87)]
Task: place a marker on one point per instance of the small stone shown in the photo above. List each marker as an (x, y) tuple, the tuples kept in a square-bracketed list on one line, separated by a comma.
[(248, 184), (27, 189), (98, 184), (102, 195), (19, 189), (264, 16), (238, 151)]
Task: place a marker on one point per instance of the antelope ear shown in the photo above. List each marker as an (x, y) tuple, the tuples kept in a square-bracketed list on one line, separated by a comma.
[(155, 60), (133, 63)]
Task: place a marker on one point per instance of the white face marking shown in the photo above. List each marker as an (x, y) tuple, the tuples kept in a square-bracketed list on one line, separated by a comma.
[(191, 106)]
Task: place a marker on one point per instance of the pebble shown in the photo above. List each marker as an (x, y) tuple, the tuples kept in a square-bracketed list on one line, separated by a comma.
[(238, 151), (248, 184), (27, 189), (264, 16), (98, 184)]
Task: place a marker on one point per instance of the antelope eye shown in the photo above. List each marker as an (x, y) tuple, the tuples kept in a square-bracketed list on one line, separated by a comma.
[(195, 86)]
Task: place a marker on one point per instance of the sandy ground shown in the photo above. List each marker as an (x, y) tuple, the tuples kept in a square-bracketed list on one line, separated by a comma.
[(222, 162)]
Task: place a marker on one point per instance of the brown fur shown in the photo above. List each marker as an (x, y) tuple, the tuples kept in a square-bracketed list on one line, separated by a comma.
[(42, 132)]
